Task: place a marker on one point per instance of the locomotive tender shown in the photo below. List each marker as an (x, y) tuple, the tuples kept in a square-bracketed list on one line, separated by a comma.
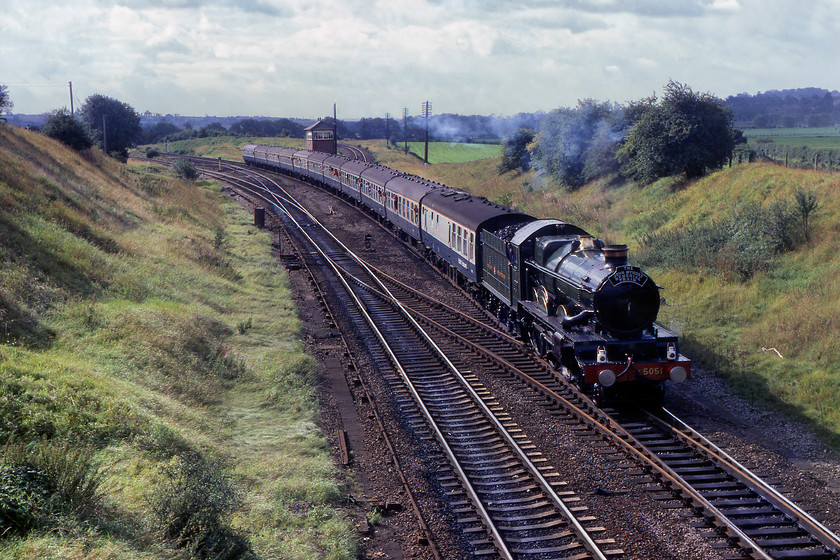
[(579, 302)]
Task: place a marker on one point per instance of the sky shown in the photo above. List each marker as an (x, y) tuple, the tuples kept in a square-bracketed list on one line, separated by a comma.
[(293, 58)]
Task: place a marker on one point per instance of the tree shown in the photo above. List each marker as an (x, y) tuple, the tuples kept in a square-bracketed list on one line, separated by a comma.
[(68, 130), (570, 140), (159, 131), (685, 133), (515, 155), (806, 204), (122, 124), (5, 101)]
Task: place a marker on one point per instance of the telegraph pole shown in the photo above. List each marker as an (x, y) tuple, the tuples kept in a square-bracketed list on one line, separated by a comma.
[(72, 113), (104, 137), (335, 131), (405, 129), (426, 112), (387, 118)]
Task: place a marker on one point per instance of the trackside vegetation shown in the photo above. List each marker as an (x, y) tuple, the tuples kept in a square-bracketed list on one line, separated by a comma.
[(155, 397)]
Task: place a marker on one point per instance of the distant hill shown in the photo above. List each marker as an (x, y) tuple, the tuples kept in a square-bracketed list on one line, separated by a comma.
[(788, 108)]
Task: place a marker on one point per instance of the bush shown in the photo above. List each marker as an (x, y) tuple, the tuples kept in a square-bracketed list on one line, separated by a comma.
[(191, 505), (152, 152), (66, 129), (47, 478), (515, 155), (184, 169), (23, 491), (742, 244)]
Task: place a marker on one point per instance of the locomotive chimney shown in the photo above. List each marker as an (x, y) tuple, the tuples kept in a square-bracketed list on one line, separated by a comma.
[(615, 255)]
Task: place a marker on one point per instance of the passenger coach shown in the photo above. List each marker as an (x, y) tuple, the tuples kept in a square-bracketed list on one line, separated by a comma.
[(450, 222)]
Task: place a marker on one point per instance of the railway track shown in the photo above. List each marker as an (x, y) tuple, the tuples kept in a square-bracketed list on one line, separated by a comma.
[(732, 501), (505, 500), (733, 504), (354, 152)]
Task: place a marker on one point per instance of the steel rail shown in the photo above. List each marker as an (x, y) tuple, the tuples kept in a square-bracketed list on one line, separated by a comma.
[(497, 537), (695, 439)]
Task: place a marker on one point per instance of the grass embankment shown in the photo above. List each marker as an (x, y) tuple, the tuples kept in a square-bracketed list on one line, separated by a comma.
[(225, 147), (728, 322), (154, 393)]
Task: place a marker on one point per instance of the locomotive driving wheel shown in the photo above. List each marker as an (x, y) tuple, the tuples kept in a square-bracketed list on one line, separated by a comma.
[(538, 342)]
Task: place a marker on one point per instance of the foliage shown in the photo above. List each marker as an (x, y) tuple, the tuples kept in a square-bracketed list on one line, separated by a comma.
[(685, 133), (112, 123), (68, 130), (185, 169), (280, 127), (159, 131), (191, 507), (739, 245), (806, 204), (515, 154), (6, 103), (577, 145), (46, 479), (810, 107)]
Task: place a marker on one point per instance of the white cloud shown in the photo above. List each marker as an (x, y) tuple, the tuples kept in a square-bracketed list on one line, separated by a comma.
[(288, 58)]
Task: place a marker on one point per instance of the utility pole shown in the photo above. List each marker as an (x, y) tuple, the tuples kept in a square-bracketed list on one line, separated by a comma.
[(387, 118), (405, 129), (72, 113), (335, 131), (104, 137), (426, 112)]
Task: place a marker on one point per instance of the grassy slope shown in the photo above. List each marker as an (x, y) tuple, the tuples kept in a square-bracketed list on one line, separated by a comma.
[(725, 323), (145, 317)]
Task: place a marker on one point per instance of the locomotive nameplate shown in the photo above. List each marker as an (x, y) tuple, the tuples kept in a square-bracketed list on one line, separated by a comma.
[(628, 276)]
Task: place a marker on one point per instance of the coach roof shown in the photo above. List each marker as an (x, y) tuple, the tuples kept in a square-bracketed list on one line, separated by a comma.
[(466, 209)]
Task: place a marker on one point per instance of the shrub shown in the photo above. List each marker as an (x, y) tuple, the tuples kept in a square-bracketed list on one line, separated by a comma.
[(742, 244), (66, 129), (191, 505), (23, 489), (44, 479), (184, 169)]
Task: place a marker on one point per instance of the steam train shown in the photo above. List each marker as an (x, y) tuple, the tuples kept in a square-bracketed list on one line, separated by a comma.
[(578, 302)]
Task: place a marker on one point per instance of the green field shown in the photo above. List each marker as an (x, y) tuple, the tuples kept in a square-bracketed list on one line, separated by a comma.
[(816, 138), (454, 152)]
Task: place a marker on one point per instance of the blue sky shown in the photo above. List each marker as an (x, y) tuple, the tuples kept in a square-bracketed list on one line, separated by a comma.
[(293, 58)]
